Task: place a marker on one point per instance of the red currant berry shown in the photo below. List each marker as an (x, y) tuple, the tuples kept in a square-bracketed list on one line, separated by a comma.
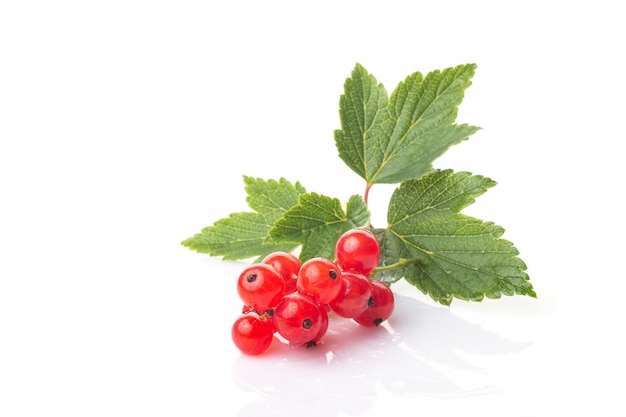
[(380, 305), (298, 318), (321, 279), (323, 328), (358, 250), (251, 334), (352, 301), (287, 265), (260, 286)]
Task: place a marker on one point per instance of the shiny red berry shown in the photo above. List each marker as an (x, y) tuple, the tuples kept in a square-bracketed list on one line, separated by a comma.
[(357, 250), (287, 265), (323, 328), (353, 300), (298, 318), (380, 306), (251, 334), (320, 278), (260, 287)]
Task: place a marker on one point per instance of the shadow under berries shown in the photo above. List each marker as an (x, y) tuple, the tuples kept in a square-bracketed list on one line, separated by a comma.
[(416, 352)]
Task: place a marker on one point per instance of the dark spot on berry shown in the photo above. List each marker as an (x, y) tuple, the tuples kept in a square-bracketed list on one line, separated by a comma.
[(377, 321), (307, 323), (270, 312), (248, 309), (311, 344), (332, 274), (251, 277), (370, 301)]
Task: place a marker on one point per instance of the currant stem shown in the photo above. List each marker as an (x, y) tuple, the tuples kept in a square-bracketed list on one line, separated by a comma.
[(399, 264), (366, 193)]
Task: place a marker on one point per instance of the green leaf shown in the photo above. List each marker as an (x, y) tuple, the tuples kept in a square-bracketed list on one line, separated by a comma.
[(316, 223), (397, 139), (362, 112), (453, 255), (242, 235)]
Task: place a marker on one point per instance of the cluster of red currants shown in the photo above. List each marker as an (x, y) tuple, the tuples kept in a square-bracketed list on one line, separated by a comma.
[(283, 296)]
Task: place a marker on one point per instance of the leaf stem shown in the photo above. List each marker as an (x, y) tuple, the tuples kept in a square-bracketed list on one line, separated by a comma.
[(401, 263), (366, 193)]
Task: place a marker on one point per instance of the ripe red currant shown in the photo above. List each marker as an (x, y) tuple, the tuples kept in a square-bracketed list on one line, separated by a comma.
[(323, 328), (320, 278), (287, 265), (381, 305), (252, 334), (298, 318), (352, 301), (357, 250), (260, 286)]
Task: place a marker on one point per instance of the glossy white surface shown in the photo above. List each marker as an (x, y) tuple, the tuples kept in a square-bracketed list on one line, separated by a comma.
[(126, 127)]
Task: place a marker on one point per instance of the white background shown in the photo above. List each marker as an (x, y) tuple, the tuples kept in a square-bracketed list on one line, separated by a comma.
[(126, 126)]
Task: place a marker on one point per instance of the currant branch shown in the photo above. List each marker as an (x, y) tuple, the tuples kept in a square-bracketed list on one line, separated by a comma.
[(366, 193), (366, 197)]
